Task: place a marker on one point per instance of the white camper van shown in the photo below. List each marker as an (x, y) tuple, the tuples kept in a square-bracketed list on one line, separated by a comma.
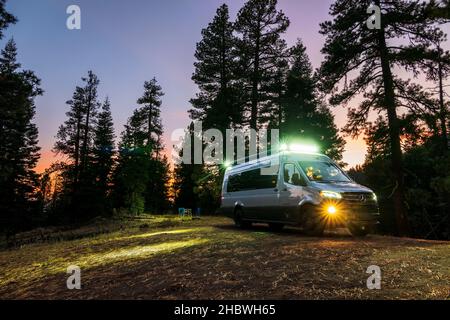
[(297, 188)]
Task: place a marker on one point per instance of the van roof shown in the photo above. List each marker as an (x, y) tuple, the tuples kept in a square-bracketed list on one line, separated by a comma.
[(263, 160)]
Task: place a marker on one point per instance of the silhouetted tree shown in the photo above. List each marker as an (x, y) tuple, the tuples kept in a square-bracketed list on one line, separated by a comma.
[(6, 18), (186, 175), (216, 103), (259, 25), (437, 70), (75, 140), (103, 155), (352, 48), (90, 106), (142, 173), (132, 172), (150, 114), (18, 139), (305, 115)]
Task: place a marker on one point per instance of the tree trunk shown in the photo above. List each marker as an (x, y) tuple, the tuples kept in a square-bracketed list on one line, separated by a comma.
[(86, 131), (149, 133), (394, 136), (255, 82), (443, 109), (77, 151)]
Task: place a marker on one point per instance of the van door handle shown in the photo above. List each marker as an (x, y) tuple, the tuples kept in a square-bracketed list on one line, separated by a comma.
[(276, 190)]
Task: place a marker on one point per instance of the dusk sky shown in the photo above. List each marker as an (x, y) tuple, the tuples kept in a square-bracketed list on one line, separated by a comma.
[(128, 42)]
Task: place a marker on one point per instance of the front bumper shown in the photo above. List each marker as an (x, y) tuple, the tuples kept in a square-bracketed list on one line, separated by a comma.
[(346, 213), (361, 213)]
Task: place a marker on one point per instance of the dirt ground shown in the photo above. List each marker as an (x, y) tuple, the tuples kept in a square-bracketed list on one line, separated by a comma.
[(170, 258)]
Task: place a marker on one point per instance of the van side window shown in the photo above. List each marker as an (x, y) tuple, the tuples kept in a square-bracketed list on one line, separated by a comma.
[(292, 175), (234, 183), (264, 181), (251, 180)]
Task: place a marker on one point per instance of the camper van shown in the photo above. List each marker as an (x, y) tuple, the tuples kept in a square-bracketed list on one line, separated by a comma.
[(298, 188)]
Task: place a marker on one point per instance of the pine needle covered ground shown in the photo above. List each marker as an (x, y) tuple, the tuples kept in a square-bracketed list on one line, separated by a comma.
[(170, 258)]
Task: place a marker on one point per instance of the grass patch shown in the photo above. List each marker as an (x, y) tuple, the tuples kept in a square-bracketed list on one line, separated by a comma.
[(173, 258)]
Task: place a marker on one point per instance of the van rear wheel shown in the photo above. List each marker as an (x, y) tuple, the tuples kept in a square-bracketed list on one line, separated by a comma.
[(238, 219)]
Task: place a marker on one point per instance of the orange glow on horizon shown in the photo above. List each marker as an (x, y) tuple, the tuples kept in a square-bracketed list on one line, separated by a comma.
[(45, 161)]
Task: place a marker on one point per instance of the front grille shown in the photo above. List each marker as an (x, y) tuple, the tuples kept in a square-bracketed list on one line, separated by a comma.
[(360, 205), (358, 197)]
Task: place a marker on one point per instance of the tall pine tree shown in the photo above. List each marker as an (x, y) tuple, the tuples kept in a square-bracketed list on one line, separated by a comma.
[(141, 178), (437, 70), (352, 48), (18, 139), (150, 113), (103, 155), (305, 115), (6, 18), (217, 102), (75, 140), (259, 25)]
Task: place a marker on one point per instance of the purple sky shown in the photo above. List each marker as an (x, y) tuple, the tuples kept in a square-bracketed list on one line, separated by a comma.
[(128, 42)]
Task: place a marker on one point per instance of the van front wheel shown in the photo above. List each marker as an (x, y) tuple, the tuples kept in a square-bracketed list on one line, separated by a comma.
[(358, 230), (312, 224), (238, 220)]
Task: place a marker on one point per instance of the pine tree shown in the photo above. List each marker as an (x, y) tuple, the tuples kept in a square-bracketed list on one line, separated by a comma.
[(103, 153), (184, 186), (259, 25), (305, 115), (150, 115), (142, 172), (6, 18), (185, 174), (69, 134), (216, 103), (133, 166), (300, 100), (352, 48), (157, 189), (90, 107), (437, 70), (271, 112), (19, 151), (75, 140), (75, 136)]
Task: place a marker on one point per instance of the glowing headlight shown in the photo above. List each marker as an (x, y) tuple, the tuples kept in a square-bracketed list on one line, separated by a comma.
[(331, 210), (374, 197), (330, 195)]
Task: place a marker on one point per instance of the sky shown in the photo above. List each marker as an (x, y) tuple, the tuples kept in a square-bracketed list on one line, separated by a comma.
[(128, 42)]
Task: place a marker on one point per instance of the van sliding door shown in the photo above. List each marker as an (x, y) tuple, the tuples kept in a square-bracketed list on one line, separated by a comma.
[(262, 197)]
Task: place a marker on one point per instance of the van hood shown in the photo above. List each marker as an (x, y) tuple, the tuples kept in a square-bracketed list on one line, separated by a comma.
[(340, 187)]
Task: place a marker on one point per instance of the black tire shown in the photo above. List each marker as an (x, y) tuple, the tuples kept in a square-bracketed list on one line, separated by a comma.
[(312, 224), (276, 227), (359, 230), (238, 220)]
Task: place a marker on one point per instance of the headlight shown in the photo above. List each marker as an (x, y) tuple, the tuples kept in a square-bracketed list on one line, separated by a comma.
[(330, 195), (374, 197), (331, 210)]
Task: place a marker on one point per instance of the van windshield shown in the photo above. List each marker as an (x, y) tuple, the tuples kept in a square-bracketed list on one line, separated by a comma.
[(323, 171)]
